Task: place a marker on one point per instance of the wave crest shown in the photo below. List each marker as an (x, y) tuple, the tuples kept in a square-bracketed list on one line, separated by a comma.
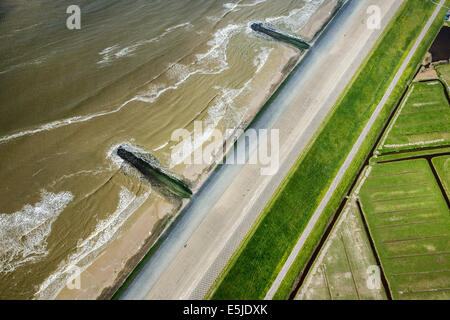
[(87, 249), (23, 234)]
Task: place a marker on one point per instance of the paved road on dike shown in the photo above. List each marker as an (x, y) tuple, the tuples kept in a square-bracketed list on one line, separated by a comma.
[(349, 159), (222, 212)]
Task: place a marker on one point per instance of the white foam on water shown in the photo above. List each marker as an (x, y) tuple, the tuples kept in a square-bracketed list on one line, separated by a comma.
[(116, 52), (213, 61), (113, 157), (219, 43), (296, 18), (23, 234), (261, 59), (156, 91), (213, 19), (64, 122), (33, 62), (223, 110), (107, 54), (161, 146), (215, 114), (89, 248), (216, 59), (127, 145), (95, 172), (232, 6), (117, 162)]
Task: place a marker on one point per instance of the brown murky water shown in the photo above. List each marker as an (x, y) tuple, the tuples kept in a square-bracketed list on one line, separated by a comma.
[(136, 71)]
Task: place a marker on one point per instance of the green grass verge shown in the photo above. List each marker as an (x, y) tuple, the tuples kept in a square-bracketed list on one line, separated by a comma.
[(255, 265), (442, 166), (408, 221), (444, 73), (363, 152)]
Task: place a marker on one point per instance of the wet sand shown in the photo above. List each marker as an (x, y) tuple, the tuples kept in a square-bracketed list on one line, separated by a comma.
[(101, 279), (319, 19)]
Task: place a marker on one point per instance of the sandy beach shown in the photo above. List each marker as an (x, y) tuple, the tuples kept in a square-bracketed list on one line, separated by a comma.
[(319, 19)]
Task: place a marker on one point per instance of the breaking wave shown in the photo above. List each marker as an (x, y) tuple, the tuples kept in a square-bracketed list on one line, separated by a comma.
[(87, 249), (62, 123), (223, 110), (214, 61), (116, 52), (23, 234), (232, 6), (261, 59)]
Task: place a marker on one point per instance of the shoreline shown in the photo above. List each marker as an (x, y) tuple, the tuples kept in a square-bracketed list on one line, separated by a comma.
[(297, 111), (134, 236), (320, 19)]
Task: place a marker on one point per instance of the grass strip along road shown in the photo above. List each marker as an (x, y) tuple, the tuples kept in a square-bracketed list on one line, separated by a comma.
[(257, 263)]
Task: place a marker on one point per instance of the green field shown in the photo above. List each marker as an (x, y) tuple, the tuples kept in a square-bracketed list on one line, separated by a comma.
[(257, 262), (423, 120), (345, 264), (409, 222), (442, 166), (444, 73), (409, 154)]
